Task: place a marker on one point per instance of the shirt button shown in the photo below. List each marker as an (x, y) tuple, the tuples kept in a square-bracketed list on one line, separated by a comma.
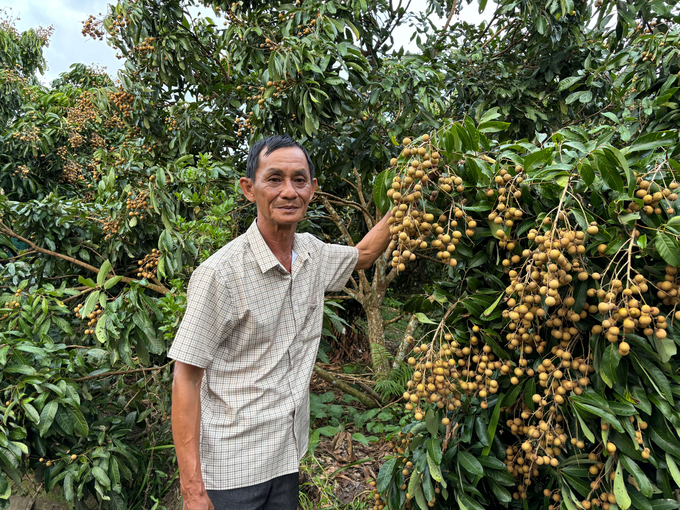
[(295, 307)]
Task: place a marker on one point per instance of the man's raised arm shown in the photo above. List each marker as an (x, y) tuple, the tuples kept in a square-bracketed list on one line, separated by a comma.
[(186, 431), (374, 243)]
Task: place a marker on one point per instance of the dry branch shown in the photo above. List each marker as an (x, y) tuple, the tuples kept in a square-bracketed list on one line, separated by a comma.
[(160, 288)]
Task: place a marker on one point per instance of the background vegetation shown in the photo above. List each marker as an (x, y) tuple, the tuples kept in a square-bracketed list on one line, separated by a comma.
[(530, 322)]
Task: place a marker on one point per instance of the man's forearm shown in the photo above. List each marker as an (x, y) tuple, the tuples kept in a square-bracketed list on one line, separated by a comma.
[(374, 243), (186, 428)]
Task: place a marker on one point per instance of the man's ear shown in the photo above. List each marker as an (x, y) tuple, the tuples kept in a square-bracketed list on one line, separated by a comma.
[(247, 188), (315, 186)]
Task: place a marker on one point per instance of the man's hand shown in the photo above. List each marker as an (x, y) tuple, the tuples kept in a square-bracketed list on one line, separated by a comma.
[(199, 501), (186, 431)]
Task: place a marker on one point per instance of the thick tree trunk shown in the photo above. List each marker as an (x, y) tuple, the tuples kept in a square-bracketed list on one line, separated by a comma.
[(376, 337)]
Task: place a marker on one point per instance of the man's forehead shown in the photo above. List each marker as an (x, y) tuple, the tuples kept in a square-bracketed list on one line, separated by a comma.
[(284, 158)]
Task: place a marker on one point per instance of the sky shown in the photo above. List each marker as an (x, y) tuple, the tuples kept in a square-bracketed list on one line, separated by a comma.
[(69, 46)]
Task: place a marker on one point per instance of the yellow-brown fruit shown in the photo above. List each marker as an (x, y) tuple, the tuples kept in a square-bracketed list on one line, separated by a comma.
[(406, 141)]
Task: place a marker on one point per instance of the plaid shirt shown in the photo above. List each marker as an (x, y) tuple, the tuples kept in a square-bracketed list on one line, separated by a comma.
[(255, 328)]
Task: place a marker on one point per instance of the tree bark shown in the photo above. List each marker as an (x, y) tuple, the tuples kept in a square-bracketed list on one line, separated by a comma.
[(346, 388), (404, 347)]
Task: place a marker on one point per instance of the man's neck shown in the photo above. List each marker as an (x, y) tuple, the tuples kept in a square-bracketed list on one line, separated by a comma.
[(279, 238)]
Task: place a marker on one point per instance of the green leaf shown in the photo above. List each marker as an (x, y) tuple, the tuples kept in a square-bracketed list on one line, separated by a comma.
[(415, 481), (584, 428), (431, 422), (79, 422), (668, 248), (610, 360), (385, 475), (587, 173), (435, 471), (31, 412), (434, 449), (491, 308), (112, 281), (568, 82), (605, 415), (643, 482), (493, 424), (382, 201), (424, 319), (622, 498), (49, 411), (501, 493), (470, 464), (90, 303), (88, 282), (100, 328), (103, 273), (68, 488), (467, 503), (673, 468), (610, 174), (101, 477)]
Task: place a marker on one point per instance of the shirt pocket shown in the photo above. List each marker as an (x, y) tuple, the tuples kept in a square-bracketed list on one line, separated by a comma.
[(312, 326)]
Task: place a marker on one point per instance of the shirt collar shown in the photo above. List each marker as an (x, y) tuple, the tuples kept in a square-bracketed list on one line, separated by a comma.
[(263, 254)]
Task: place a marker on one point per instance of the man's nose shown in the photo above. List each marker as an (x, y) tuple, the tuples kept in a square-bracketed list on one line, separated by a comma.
[(288, 190)]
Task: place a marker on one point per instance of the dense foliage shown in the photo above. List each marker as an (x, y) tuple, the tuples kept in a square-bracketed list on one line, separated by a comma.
[(550, 171)]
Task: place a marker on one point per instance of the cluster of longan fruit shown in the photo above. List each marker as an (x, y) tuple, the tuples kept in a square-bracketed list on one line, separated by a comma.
[(14, 303), (509, 192), (92, 317), (137, 205), (669, 289), (243, 126), (546, 269), (123, 101), (410, 223), (306, 29), (82, 113), (118, 22), (654, 195), (22, 171), (632, 315), (378, 503), (93, 27), (29, 134), (111, 227), (71, 172), (171, 124), (146, 46), (148, 265), (443, 374)]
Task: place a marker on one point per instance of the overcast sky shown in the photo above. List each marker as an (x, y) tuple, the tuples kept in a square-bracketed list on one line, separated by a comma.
[(68, 45)]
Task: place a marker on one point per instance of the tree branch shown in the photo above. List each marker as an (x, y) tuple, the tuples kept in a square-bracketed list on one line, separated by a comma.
[(363, 281), (161, 289), (404, 345), (123, 372), (346, 388), (446, 26)]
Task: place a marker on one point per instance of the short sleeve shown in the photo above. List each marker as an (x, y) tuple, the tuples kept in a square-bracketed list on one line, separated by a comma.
[(339, 262), (208, 320)]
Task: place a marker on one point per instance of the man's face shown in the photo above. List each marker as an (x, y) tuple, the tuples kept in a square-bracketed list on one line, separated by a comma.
[(282, 188)]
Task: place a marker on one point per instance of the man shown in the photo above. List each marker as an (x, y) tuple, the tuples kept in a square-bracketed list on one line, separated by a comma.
[(248, 341)]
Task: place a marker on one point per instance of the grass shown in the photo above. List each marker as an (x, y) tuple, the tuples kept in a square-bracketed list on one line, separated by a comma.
[(319, 491)]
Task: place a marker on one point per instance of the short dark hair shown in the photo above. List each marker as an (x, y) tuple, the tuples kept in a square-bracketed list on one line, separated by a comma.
[(273, 143)]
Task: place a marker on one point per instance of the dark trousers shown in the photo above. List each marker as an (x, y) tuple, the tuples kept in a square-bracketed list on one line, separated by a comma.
[(280, 493)]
